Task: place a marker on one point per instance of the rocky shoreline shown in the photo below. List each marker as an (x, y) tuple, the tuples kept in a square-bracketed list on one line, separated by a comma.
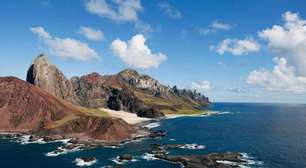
[(157, 151)]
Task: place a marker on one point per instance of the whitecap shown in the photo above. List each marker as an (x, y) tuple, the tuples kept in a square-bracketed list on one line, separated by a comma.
[(149, 156), (152, 125), (80, 162), (250, 160), (117, 160), (228, 162), (192, 146), (61, 151), (220, 112)]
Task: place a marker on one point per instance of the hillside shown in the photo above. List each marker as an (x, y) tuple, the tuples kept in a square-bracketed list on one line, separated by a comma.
[(26, 108), (128, 90)]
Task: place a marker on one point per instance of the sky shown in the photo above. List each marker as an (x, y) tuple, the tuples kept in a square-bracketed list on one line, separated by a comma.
[(230, 50)]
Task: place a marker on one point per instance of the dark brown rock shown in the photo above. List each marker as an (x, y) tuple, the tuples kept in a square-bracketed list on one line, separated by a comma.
[(127, 157), (90, 90), (205, 161)]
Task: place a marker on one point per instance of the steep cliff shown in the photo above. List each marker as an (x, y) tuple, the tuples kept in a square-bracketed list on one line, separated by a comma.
[(46, 76), (128, 90)]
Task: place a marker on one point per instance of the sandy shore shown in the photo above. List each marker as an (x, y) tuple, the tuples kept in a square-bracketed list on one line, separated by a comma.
[(130, 118)]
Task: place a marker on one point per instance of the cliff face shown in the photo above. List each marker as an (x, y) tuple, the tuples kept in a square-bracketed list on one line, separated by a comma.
[(27, 108), (128, 90), (46, 76), (90, 90)]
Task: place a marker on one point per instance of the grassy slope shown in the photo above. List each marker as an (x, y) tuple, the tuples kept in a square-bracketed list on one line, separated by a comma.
[(169, 106), (82, 110)]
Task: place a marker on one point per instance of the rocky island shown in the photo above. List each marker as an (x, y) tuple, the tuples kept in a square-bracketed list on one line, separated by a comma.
[(94, 110), (49, 104)]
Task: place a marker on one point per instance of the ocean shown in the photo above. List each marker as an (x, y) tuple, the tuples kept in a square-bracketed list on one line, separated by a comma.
[(269, 135)]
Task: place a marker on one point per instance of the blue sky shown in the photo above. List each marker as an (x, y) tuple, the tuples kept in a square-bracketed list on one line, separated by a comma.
[(228, 49)]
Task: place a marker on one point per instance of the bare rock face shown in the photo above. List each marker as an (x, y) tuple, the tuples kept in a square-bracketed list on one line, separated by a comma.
[(145, 82), (46, 76), (90, 90), (124, 99), (127, 90)]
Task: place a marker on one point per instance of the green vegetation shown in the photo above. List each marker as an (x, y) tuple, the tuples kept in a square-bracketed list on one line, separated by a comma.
[(74, 116), (64, 120), (184, 111), (94, 112), (170, 106)]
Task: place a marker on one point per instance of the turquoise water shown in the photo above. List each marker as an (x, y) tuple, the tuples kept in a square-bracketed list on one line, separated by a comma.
[(272, 134)]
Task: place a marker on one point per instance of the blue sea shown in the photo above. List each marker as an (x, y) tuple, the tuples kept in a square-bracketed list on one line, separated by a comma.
[(272, 135)]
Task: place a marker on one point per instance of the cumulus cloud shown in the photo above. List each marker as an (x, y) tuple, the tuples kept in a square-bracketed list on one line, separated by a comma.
[(238, 47), (289, 40), (136, 53), (214, 27), (201, 86), (288, 43), (65, 47), (170, 11), (282, 78), (119, 10), (91, 33)]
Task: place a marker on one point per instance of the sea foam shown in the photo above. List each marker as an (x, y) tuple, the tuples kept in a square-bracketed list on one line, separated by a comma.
[(81, 163)]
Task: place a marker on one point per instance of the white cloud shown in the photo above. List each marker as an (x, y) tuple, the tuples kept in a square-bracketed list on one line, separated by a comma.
[(143, 28), (220, 26), (40, 31), (214, 27), (91, 33), (282, 78), (170, 11), (288, 43), (238, 47), (201, 86), (289, 40), (67, 47), (136, 54), (119, 10)]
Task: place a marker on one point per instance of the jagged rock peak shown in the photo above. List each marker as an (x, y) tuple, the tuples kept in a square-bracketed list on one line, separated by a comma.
[(46, 76), (129, 73)]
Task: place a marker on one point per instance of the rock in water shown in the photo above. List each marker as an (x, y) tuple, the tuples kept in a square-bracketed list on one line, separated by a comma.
[(216, 160), (46, 76)]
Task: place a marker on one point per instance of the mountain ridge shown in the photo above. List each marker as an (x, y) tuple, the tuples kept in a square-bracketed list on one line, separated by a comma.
[(127, 90)]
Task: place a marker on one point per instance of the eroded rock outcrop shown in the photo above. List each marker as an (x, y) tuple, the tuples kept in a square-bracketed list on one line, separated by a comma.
[(128, 90), (46, 76), (90, 90), (124, 99)]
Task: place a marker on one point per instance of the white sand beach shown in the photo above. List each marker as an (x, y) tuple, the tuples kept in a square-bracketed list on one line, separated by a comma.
[(130, 118)]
